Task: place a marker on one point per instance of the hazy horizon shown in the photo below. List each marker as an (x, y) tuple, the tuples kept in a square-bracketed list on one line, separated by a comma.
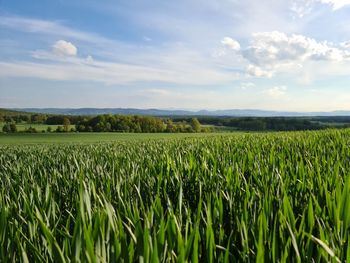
[(193, 110), (271, 55)]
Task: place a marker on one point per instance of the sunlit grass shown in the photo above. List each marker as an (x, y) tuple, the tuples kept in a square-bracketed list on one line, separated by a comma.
[(282, 197)]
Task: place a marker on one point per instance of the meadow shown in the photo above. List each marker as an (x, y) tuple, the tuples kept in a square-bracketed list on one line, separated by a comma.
[(262, 197), (21, 127)]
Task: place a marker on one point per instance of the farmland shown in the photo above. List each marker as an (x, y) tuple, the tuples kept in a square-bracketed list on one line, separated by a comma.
[(84, 138), (261, 197)]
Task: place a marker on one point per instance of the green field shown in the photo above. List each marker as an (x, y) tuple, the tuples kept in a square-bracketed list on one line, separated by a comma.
[(39, 127), (83, 138), (273, 197)]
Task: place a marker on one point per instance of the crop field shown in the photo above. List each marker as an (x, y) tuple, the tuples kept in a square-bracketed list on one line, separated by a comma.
[(273, 197), (93, 138)]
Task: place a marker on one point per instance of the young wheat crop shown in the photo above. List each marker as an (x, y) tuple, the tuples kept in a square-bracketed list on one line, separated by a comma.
[(279, 197)]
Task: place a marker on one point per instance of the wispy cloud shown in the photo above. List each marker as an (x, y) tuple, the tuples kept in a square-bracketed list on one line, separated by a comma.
[(40, 26), (306, 7), (118, 62), (336, 4), (276, 92), (247, 85), (111, 73)]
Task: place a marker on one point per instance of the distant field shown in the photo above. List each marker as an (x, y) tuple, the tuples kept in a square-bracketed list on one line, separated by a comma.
[(25, 138), (38, 127)]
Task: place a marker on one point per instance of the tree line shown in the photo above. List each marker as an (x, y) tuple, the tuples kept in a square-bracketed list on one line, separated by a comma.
[(109, 123), (269, 123), (127, 123)]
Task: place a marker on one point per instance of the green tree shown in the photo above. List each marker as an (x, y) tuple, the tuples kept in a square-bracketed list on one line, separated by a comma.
[(66, 123), (13, 127), (31, 130), (9, 128), (170, 126), (59, 129), (38, 118), (195, 124), (6, 128)]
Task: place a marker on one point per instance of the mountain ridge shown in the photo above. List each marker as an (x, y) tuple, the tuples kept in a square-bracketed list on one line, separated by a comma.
[(179, 112)]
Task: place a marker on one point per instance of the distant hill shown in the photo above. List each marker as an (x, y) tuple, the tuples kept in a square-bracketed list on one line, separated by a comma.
[(10, 112), (159, 112)]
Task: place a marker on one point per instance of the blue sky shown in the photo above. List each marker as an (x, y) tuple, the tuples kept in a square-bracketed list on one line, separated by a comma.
[(291, 55)]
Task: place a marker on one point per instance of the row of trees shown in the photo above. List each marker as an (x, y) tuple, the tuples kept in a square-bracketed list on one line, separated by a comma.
[(24, 118), (100, 123), (49, 129), (117, 123), (12, 128), (38, 118), (127, 123), (262, 124), (120, 123)]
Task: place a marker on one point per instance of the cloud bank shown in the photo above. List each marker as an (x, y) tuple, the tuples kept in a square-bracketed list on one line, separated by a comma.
[(267, 52)]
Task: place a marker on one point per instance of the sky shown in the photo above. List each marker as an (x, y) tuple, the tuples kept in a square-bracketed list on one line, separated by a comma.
[(290, 55)]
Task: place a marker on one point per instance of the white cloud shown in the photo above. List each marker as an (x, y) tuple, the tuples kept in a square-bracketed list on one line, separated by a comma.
[(256, 71), (302, 7), (269, 52), (276, 92), (64, 48), (306, 7), (336, 4), (346, 45), (231, 43), (276, 47)]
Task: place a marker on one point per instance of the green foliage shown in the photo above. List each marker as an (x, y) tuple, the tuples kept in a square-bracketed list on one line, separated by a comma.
[(14, 116), (272, 123), (66, 123), (60, 129), (9, 128), (195, 125), (37, 118), (127, 123), (280, 197), (31, 130)]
